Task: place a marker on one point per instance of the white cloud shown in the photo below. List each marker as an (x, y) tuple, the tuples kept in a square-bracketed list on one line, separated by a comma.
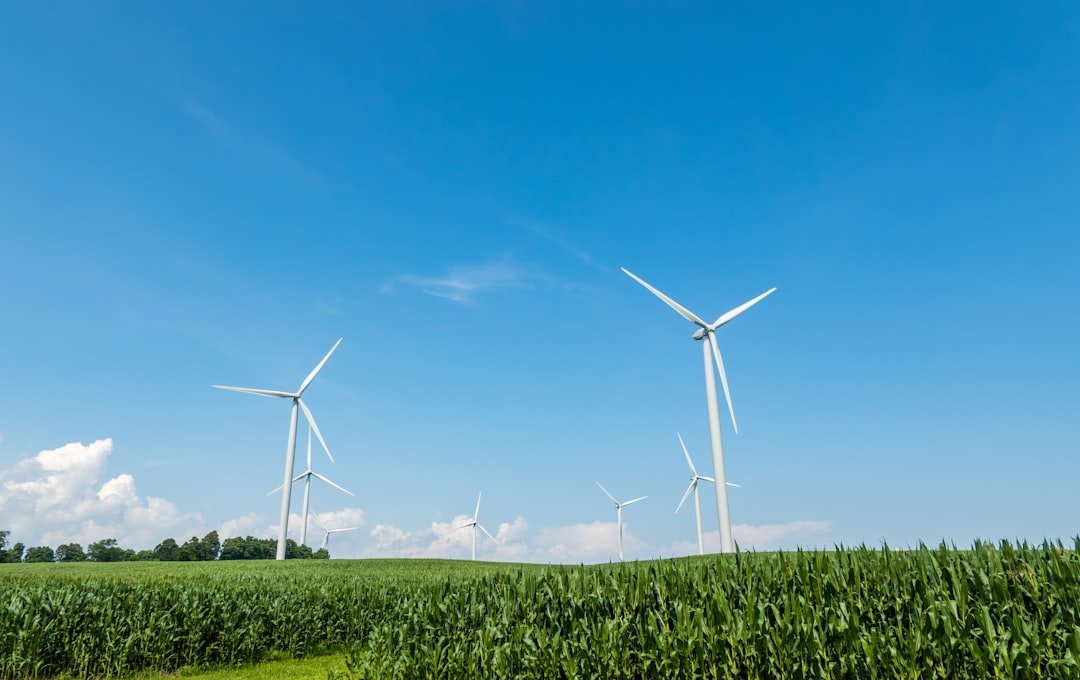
[(800, 532), (57, 497), (245, 525), (462, 283)]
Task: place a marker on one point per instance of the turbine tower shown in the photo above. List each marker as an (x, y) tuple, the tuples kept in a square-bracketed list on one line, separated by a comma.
[(475, 524), (306, 476), (618, 512), (711, 349), (290, 448), (694, 479), (326, 538)]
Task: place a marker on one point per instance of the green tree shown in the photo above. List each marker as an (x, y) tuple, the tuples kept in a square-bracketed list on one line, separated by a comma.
[(321, 554), (40, 554), (70, 552), (167, 550), (248, 548), (209, 547), (13, 554), (105, 550)]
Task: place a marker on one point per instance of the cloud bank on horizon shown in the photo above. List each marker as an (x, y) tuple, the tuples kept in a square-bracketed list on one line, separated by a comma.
[(60, 496)]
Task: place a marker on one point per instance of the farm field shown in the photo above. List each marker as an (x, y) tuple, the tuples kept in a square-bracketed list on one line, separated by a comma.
[(992, 611)]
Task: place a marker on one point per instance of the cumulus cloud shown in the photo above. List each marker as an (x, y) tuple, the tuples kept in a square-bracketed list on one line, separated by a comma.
[(58, 496)]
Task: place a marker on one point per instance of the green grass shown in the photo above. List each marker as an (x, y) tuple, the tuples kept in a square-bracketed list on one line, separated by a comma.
[(314, 668), (994, 611)]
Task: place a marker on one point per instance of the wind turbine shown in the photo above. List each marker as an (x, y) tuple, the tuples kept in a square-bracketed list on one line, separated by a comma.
[(618, 512), (306, 476), (710, 348), (290, 448), (694, 479), (326, 538), (475, 523)]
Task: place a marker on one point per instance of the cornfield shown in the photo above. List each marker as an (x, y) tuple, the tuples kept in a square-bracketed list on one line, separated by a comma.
[(999, 611)]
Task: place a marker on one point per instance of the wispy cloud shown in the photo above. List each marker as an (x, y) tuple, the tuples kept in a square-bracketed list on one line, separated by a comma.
[(463, 283), (562, 243)]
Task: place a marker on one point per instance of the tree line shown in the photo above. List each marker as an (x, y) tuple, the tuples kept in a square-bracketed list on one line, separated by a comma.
[(205, 549)]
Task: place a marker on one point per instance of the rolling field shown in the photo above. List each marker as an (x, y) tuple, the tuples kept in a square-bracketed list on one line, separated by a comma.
[(993, 611)]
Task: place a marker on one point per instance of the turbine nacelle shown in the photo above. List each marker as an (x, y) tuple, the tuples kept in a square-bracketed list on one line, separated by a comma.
[(699, 334)]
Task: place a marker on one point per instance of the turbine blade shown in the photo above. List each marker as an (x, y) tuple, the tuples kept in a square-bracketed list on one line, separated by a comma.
[(315, 428), (280, 487), (251, 390), (309, 448), (315, 372), (463, 526), (707, 479), (728, 316), (318, 476), (723, 379), (476, 515), (737, 486), (338, 531), (315, 516), (634, 501), (687, 454), (607, 493), (298, 477), (488, 533), (683, 311), (686, 495)]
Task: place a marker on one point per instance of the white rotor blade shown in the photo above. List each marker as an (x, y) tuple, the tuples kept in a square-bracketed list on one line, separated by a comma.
[(315, 428), (251, 390), (466, 524), (707, 479), (315, 516), (683, 311), (488, 533), (686, 495), (476, 514), (723, 379), (607, 493), (634, 501), (687, 454), (309, 448), (318, 476), (737, 486), (300, 476), (315, 372), (282, 486), (728, 316), (338, 531)]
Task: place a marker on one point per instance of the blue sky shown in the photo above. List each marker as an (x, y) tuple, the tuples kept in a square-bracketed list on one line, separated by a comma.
[(193, 195)]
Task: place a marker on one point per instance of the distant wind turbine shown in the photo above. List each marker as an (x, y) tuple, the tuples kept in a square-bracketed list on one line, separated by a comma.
[(618, 513), (475, 524), (326, 538), (711, 349), (290, 447), (694, 479), (306, 476)]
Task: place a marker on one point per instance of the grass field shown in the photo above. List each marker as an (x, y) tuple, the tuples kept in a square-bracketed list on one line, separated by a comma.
[(993, 611)]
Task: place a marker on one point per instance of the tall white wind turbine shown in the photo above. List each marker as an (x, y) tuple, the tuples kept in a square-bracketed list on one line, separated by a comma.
[(306, 476), (618, 512), (711, 349), (694, 479), (475, 524), (326, 538), (290, 448)]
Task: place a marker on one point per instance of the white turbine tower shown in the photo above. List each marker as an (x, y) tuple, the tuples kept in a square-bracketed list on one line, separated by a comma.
[(694, 479), (618, 512), (306, 476), (710, 349), (326, 538), (290, 447), (475, 524)]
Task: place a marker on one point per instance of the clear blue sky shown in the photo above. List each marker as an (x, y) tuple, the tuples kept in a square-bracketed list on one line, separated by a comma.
[(198, 194)]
